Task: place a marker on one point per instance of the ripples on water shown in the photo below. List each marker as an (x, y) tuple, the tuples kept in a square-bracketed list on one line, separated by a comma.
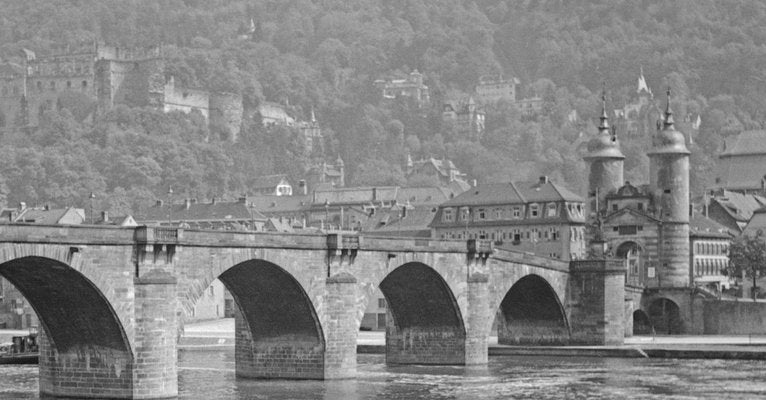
[(210, 375)]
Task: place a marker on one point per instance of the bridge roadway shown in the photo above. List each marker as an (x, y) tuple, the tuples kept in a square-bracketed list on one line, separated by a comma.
[(112, 301)]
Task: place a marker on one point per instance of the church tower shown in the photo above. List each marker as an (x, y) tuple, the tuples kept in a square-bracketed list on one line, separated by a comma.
[(606, 162), (669, 183)]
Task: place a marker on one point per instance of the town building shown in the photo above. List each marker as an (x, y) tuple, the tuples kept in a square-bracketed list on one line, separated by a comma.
[(275, 185), (732, 209), (325, 174), (492, 89), (709, 243), (215, 214), (530, 106), (444, 172), (411, 87), (541, 217), (465, 117), (742, 163)]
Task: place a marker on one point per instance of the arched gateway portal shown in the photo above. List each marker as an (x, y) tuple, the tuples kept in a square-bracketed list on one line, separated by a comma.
[(531, 313), (81, 334), (427, 327), (665, 316)]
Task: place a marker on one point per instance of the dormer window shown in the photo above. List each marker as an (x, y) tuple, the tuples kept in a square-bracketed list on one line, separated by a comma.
[(534, 211), (551, 211), (448, 215), (516, 212), (482, 213)]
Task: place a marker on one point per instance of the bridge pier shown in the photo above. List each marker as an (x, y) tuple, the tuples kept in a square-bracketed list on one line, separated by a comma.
[(155, 373)]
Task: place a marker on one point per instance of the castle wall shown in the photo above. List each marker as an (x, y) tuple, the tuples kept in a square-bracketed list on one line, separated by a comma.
[(226, 110), (186, 100)]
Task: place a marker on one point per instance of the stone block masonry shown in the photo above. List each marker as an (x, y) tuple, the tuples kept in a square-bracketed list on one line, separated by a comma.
[(112, 301)]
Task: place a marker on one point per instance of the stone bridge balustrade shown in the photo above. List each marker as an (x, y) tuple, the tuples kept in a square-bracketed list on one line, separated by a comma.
[(112, 301)]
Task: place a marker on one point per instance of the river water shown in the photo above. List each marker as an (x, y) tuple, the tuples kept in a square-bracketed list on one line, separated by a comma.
[(210, 375)]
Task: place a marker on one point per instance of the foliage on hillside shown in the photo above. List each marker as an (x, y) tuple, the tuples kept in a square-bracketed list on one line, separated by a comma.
[(326, 53)]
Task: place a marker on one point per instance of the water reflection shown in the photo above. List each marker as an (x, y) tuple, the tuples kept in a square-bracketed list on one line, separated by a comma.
[(211, 375)]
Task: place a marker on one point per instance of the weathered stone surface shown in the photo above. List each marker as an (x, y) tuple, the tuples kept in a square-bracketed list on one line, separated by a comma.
[(300, 303)]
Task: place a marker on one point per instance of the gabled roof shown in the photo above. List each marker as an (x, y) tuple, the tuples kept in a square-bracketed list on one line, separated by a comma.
[(636, 213), (271, 205), (510, 193), (756, 223), (190, 212), (416, 219), (51, 216), (269, 181), (702, 226), (423, 195), (739, 206), (747, 142), (358, 195)]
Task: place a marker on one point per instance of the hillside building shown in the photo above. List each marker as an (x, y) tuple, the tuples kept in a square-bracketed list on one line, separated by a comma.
[(492, 89), (465, 117), (411, 87)]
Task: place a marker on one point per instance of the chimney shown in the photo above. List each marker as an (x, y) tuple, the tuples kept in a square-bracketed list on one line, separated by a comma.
[(159, 203), (187, 203), (544, 179), (22, 206), (213, 200), (302, 187), (105, 216), (47, 207), (473, 182)]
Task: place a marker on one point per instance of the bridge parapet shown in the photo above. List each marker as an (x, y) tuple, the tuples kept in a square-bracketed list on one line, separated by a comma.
[(530, 259)]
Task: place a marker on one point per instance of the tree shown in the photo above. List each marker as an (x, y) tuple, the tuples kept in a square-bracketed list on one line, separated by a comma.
[(748, 253)]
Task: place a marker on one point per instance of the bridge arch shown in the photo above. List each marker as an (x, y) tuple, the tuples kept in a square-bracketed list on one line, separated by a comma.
[(425, 323), (532, 313), (278, 330), (74, 313)]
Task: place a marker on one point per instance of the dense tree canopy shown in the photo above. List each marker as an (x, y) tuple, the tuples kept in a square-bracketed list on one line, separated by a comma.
[(324, 55)]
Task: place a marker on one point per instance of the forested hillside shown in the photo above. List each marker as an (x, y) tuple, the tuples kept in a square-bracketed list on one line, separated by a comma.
[(325, 54)]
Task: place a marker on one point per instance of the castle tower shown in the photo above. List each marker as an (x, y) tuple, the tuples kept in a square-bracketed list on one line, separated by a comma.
[(669, 182), (606, 163)]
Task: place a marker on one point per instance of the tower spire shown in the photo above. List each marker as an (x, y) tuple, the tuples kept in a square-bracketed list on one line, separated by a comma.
[(668, 112), (604, 126)]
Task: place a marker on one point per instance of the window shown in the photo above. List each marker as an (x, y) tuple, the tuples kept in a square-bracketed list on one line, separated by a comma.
[(68, 84), (482, 214), (614, 207), (464, 213), (53, 85), (212, 291), (517, 212), (498, 213), (551, 212), (534, 211), (627, 229), (448, 215), (39, 86), (640, 206), (381, 303), (381, 320)]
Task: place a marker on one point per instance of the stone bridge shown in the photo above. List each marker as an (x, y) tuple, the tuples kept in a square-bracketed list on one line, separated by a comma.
[(112, 301)]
